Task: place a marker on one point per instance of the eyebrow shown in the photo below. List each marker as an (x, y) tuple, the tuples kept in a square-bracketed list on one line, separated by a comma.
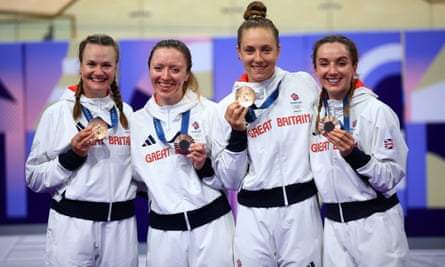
[(340, 58)]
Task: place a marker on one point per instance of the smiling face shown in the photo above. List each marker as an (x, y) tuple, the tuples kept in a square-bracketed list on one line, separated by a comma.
[(334, 68), (259, 52), (98, 69), (168, 73)]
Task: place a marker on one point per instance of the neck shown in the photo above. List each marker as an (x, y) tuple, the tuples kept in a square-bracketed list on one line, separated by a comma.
[(167, 101)]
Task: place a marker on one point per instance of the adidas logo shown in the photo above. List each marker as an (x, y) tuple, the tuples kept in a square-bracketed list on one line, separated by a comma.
[(79, 126), (149, 141)]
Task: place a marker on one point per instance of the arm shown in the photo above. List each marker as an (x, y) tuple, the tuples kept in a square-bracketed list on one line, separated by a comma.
[(387, 164), (382, 166), (44, 172), (228, 147), (53, 158)]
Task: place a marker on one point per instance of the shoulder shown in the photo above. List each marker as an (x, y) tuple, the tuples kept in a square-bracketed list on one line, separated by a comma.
[(373, 107), (204, 101), (58, 107), (223, 103), (127, 108), (302, 76), (140, 116), (304, 82), (142, 112), (206, 107), (55, 114)]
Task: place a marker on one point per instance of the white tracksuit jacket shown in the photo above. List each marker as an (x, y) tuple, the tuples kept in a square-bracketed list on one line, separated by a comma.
[(278, 142), (174, 186), (376, 131), (105, 176)]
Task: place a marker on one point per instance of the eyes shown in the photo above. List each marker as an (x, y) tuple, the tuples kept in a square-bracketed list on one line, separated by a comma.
[(160, 68), (104, 65), (250, 50), (339, 63)]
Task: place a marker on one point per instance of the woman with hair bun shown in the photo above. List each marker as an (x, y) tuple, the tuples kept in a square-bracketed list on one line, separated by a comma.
[(268, 116)]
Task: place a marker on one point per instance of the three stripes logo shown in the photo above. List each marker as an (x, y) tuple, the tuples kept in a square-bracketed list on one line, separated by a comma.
[(79, 126), (149, 141)]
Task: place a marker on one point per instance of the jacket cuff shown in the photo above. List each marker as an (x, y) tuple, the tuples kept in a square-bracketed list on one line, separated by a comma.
[(142, 194), (70, 160), (206, 170), (237, 141), (357, 158)]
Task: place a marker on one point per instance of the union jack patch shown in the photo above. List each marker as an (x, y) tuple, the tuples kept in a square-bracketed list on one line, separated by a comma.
[(388, 143)]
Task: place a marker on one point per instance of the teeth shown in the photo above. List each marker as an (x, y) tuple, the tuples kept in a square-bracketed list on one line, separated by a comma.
[(98, 80), (333, 80)]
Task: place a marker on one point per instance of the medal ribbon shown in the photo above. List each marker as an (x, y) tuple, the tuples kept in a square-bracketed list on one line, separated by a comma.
[(345, 124), (113, 114), (184, 127), (250, 116), (356, 83)]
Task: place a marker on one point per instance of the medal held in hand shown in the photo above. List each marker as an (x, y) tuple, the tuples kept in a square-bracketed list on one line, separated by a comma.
[(245, 96), (327, 124), (182, 144), (99, 127)]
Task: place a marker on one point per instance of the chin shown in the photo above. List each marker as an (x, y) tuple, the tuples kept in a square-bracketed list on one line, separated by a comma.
[(261, 77), (100, 86)]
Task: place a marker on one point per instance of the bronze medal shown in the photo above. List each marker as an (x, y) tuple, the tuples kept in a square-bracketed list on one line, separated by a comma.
[(99, 127), (245, 96), (327, 124), (182, 143)]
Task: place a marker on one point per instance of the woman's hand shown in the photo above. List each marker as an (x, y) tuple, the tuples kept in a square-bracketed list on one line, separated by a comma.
[(82, 141), (235, 114), (342, 140), (198, 154)]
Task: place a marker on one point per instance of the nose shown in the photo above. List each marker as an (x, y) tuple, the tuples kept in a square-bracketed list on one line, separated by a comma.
[(164, 73), (332, 69), (258, 56), (98, 69)]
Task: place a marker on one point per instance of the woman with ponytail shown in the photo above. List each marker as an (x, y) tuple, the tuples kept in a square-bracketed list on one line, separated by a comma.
[(190, 219)]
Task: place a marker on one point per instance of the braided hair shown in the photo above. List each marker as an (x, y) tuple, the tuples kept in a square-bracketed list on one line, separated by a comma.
[(105, 40), (353, 52)]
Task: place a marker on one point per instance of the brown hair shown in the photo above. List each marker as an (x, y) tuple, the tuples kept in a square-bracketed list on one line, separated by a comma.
[(192, 82), (348, 43), (255, 16), (353, 53), (105, 40)]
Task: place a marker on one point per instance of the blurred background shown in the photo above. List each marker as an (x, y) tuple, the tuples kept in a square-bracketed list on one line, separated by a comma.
[(402, 58), (37, 20)]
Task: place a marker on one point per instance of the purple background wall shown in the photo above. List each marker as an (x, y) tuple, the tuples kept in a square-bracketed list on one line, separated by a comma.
[(398, 66)]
